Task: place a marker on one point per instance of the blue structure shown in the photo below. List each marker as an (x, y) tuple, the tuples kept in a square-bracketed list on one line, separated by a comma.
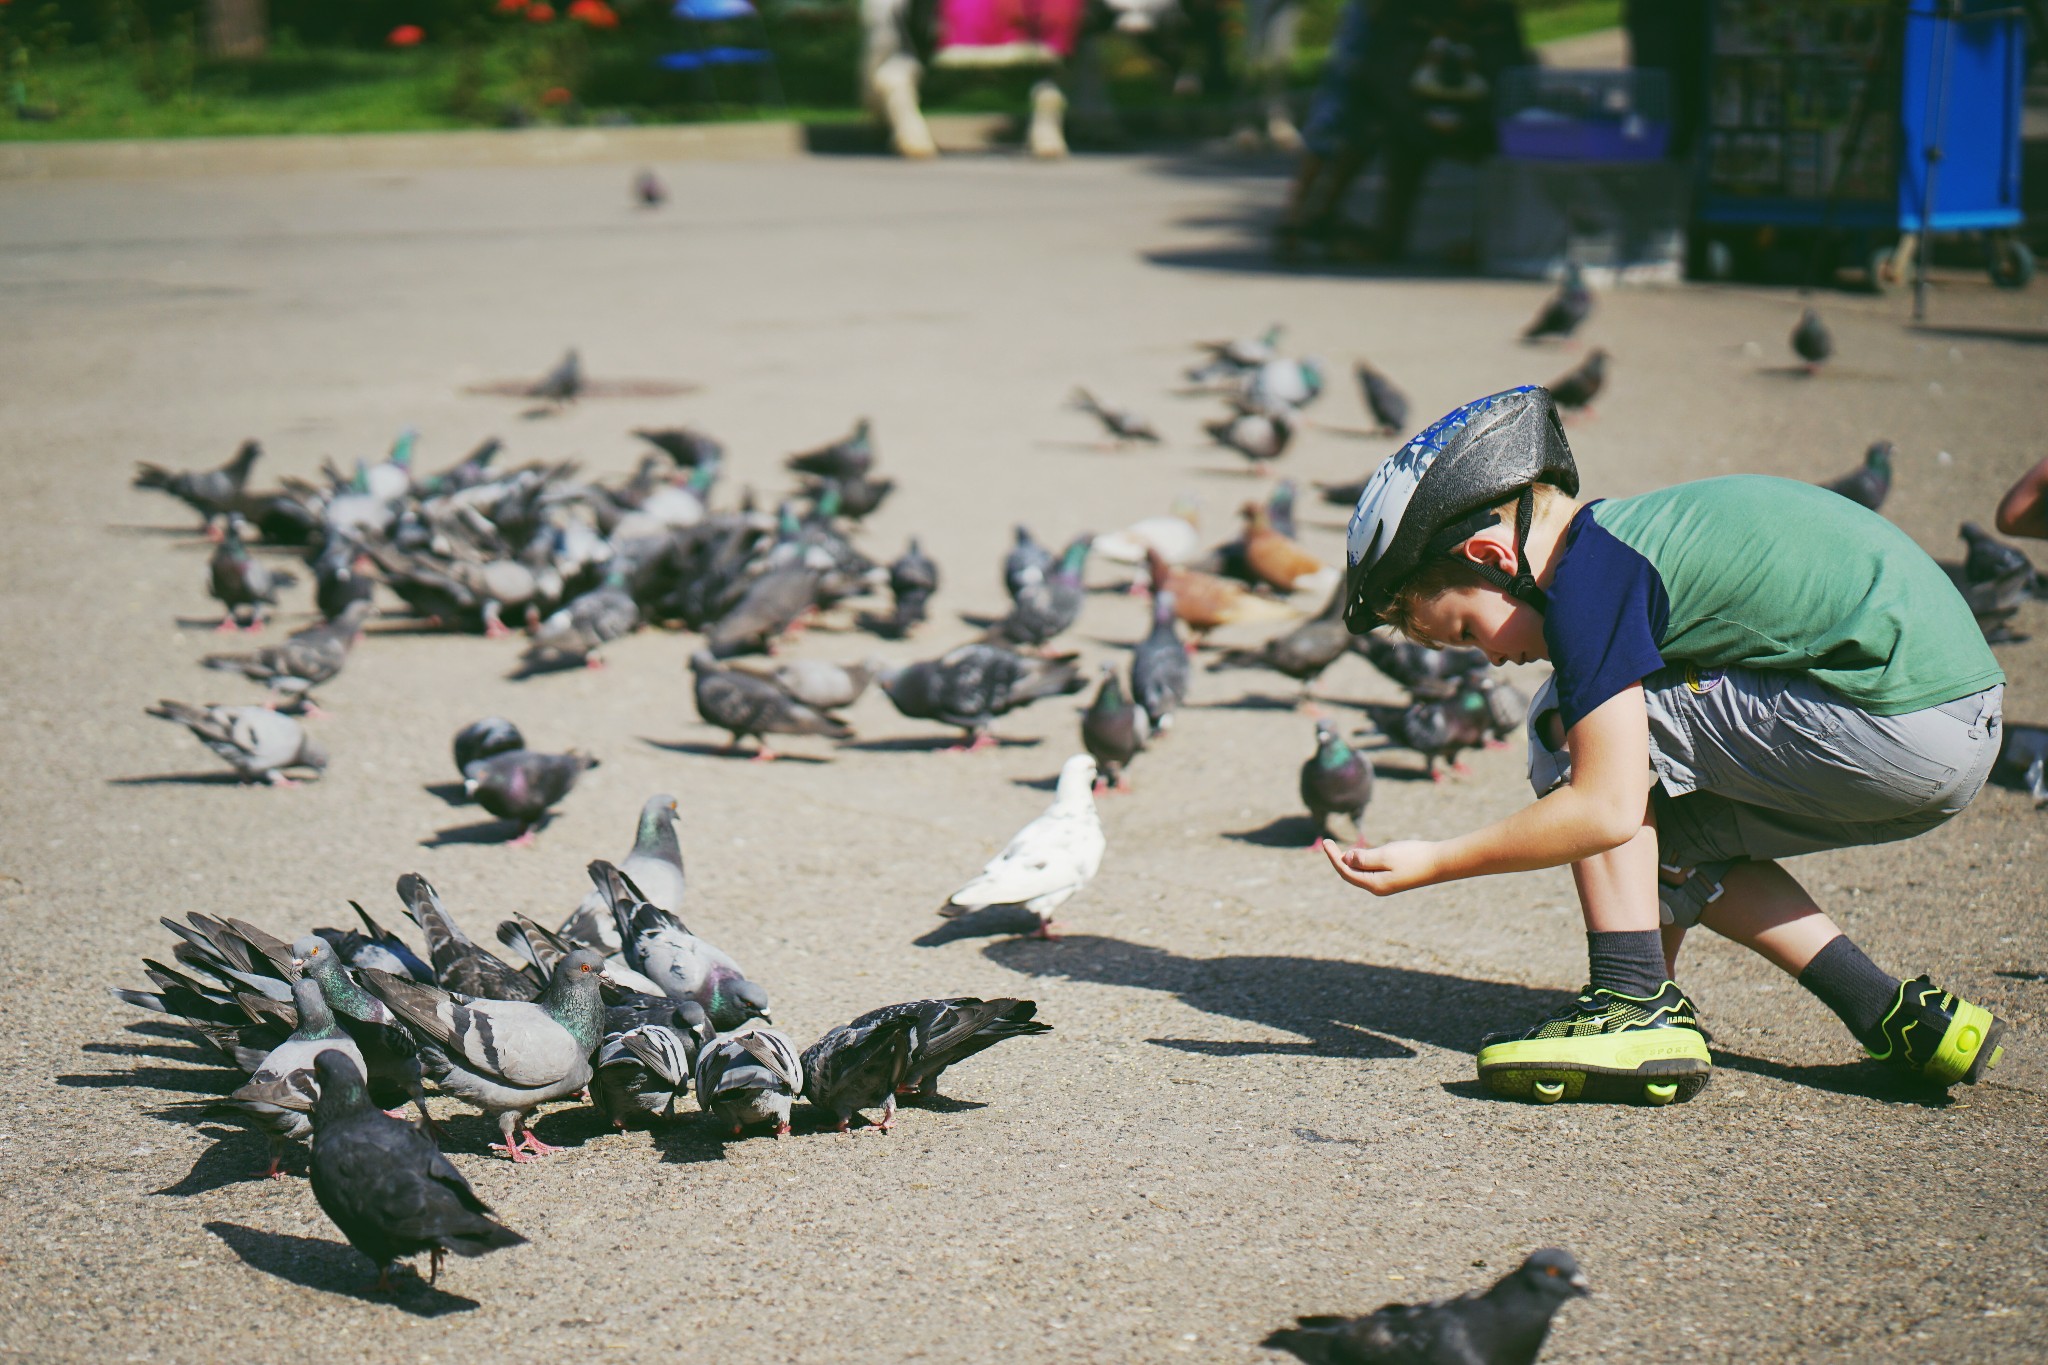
[(1868, 118)]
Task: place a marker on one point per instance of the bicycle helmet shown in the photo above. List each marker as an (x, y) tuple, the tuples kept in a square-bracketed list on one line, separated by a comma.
[(1438, 491)]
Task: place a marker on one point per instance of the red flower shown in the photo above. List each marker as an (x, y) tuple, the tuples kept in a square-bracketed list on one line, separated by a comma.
[(595, 13), (540, 14), (511, 6), (556, 94), (406, 35)]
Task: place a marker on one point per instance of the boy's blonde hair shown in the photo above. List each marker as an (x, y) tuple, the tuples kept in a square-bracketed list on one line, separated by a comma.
[(1449, 572)]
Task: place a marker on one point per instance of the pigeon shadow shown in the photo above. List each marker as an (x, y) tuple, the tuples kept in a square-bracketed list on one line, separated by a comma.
[(1334, 1008), (689, 1142), (162, 1051), (2022, 974), (530, 669), (129, 528), (677, 746), (224, 779), (236, 1157), (483, 832), (1037, 784), (214, 1081), (1252, 701), (1289, 831), (2024, 336), (940, 1104), (333, 1267), (912, 744), (994, 921), (453, 793)]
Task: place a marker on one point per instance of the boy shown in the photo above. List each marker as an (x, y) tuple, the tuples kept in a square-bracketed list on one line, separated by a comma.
[(1745, 669)]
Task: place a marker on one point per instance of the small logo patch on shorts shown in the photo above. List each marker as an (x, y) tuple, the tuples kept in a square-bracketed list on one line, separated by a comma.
[(1701, 680)]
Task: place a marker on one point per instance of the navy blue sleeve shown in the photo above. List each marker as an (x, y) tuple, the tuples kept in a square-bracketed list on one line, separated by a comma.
[(1607, 611)]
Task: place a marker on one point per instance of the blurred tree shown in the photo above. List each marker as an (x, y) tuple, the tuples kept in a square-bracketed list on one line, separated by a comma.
[(236, 29)]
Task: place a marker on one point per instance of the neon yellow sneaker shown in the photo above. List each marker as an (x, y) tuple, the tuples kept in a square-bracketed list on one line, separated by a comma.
[(1943, 1037), (1604, 1046)]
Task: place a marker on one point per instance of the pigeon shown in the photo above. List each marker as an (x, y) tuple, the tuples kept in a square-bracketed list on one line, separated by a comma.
[(378, 947), (390, 479), (1205, 602), (2023, 755), (1996, 601), (386, 1185), (1028, 562), (506, 1057), (1575, 390), (974, 684), (769, 606), (465, 594), (1303, 652), (1113, 730), (390, 1058), (1336, 780), (482, 739), (743, 704), (1258, 435), (860, 1066), (1159, 666), (279, 1098), (1505, 1325), (913, 579), (258, 743), (1506, 707), (240, 582), (648, 191), (1436, 729), (1565, 310), (688, 447), (340, 578), (583, 627), (1990, 559), (1811, 341), (1048, 861), (1870, 484), (1045, 608), (1281, 385), (850, 457), (1123, 425), (643, 1071), (1425, 673), (563, 383), (473, 469), (1280, 507), (1228, 359), (306, 659), (825, 685), (522, 786), (1387, 404), (684, 967), (212, 493), (749, 1076), (951, 1031), (459, 963), (655, 866), (854, 499), (1176, 536), (1273, 558)]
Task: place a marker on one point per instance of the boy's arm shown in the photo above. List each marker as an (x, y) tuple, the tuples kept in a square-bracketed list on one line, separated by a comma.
[(2024, 509), (1601, 808)]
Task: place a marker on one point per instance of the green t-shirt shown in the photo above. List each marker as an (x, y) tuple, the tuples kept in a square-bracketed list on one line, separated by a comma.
[(1756, 572)]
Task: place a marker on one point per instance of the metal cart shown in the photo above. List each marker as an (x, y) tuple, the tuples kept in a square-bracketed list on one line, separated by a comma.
[(1841, 133)]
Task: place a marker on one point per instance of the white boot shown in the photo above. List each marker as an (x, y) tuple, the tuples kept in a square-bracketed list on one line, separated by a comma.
[(896, 91), (1048, 111)]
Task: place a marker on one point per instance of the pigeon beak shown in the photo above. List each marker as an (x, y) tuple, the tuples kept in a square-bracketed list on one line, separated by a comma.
[(1581, 1285)]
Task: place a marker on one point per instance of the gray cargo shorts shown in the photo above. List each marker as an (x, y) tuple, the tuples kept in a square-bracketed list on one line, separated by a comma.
[(1759, 765)]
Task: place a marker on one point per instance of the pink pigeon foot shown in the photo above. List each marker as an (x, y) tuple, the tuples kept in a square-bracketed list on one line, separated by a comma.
[(593, 662), (1049, 930), (764, 755), (526, 839), (227, 626), (843, 1126), (535, 1145), (1496, 744), (1458, 767), (511, 1151), (495, 630)]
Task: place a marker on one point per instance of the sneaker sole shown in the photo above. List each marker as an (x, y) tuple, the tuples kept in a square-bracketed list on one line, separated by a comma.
[(1627, 1068)]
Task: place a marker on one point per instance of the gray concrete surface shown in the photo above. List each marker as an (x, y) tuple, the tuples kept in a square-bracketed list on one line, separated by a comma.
[(1259, 1097)]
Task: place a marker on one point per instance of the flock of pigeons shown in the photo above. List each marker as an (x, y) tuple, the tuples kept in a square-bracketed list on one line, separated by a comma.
[(621, 1002)]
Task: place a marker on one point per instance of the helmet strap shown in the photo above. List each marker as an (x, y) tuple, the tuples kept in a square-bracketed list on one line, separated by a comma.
[(1521, 585)]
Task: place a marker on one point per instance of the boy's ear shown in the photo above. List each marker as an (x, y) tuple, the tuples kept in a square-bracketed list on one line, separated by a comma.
[(1494, 546)]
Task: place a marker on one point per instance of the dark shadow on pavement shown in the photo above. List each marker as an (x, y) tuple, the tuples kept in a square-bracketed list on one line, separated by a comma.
[(928, 744), (453, 793), (680, 746), (184, 1080), (235, 1157), (220, 779), (2022, 336), (995, 921), (1869, 1079), (1340, 1009), (1289, 831), (483, 832), (335, 1267)]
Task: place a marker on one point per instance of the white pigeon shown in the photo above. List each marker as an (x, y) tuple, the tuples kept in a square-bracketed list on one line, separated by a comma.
[(1051, 858), (1176, 536), (1282, 385)]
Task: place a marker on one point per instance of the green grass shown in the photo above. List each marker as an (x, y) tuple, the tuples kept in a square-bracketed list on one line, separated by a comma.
[(1548, 20)]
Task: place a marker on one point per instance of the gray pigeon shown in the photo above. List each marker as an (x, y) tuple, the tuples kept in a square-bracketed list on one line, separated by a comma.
[(1028, 562), (522, 786), (913, 579), (1426, 673), (689, 448), (1812, 342), (1870, 484), (1436, 729), (743, 704), (256, 742), (2023, 755), (561, 384), (974, 684), (459, 964), (1336, 780), (1990, 559), (1044, 608), (1575, 390), (655, 867), (1229, 359), (1505, 1325), (770, 604), (1159, 666), (825, 685), (951, 1031), (1506, 707), (385, 1184), (643, 1071), (482, 739), (506, 1057), (860, 1066), (850, 457), (583, 627), (1113, 730), (658, 945), (243, 584), (1564, 310), (1259, 435), (1303, 652), (305, 660), (391, 1063), (209, 492), (278, 1099), (749, 1076), (1122, 424), (1383, 399)]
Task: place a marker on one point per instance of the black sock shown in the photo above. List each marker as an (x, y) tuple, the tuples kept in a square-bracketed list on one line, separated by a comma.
[(1630, 961), (1855, 988)]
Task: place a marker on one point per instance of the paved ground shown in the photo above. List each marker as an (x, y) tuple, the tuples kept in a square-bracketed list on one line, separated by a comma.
[(1259, 1097)]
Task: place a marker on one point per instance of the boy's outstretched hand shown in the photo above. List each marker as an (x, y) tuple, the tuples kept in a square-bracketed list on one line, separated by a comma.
[(1387, 870)]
